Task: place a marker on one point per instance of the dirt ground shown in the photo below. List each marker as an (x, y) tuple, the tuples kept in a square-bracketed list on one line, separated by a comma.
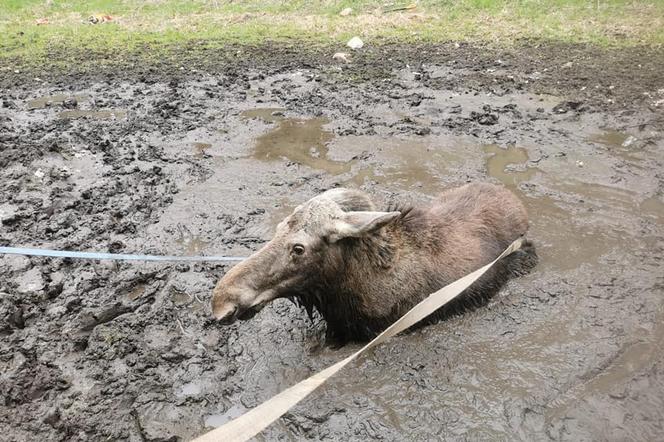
[(206, 154)]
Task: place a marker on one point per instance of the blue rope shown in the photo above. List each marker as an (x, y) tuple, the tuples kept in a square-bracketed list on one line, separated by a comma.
[(114, 256)]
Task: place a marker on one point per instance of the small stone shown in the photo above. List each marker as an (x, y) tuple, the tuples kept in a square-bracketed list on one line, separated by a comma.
[(182, 267), (346, 12), (56, 311), (16, 263), (566, 106), (355, 43), (16, 318), (70, 103), (579, 163), (30, 281), (172, 357), (341, 56), (7, 211), (39, 173), (52, 416), (629, 141)]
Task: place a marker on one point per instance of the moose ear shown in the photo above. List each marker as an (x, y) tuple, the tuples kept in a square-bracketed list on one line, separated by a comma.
[(357, 224)]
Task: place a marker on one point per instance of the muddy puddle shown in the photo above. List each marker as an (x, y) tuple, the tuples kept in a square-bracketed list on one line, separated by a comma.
[(570, 240), (509, 165), (76, 106), (626, 146), (406, 164), (632, 357), (190, 243), (59, 99), (205, 166), (200, 149), (300, 140), (136, 292), (219, 419), (92, 114)]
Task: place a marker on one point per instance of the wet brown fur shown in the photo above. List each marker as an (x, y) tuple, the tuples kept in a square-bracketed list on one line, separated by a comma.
[(378, 279)]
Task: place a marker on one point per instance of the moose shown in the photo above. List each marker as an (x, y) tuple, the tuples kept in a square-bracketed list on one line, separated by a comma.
[(362, 269)]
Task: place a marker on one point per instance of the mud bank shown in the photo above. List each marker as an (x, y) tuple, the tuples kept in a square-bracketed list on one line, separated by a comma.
[(208, 161)]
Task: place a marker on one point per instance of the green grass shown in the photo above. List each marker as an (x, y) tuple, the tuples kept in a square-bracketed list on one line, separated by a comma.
[(163, 23)]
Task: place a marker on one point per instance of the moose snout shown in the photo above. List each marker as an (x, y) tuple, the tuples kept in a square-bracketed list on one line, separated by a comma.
[(225, 304), (225, 314), (231, 302), (237, 295)]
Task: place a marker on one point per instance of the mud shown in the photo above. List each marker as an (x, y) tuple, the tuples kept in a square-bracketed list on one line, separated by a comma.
[(208, 159)]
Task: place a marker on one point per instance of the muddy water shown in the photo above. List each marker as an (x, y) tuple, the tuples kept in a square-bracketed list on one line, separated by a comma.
[(405, 164), (219, 419), (136, 292), (569, 241), (43, 102), (619, 143), (200, 149), (94, 114), (632, 357), (569, 352), (300, 140), (191, 244), (399, 165), (509, 165)]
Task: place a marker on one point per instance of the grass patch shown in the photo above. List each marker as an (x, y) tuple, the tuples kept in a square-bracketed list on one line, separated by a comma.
[(136, 24)]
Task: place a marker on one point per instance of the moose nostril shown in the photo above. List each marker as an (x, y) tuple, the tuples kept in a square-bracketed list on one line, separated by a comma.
[(227, 316)]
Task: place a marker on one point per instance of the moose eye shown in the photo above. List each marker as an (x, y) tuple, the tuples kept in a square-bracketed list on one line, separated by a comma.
[(298, 249)]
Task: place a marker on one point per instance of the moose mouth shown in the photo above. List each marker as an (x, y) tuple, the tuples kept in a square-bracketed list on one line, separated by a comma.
[(250, 312)]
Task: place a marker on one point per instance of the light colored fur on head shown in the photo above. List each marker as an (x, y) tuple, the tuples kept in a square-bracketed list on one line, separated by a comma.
[(348, 199)]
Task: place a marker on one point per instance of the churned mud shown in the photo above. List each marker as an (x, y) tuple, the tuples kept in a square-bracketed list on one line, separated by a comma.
[(207, 160)]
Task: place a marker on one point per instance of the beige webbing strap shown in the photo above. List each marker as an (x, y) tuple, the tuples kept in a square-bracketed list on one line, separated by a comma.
[(257, 419)]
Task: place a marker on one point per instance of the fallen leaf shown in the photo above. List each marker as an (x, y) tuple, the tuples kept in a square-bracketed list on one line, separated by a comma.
[(403, 8)]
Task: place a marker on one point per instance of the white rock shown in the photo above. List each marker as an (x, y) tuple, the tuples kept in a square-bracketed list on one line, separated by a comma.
[(16, 263), (39, 173), (7, 211), (355, 43), (629, 141), (30, 281), (346, 12), (56, 311)]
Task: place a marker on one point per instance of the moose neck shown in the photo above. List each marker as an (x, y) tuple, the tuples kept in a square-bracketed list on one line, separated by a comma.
[(362, 277)]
